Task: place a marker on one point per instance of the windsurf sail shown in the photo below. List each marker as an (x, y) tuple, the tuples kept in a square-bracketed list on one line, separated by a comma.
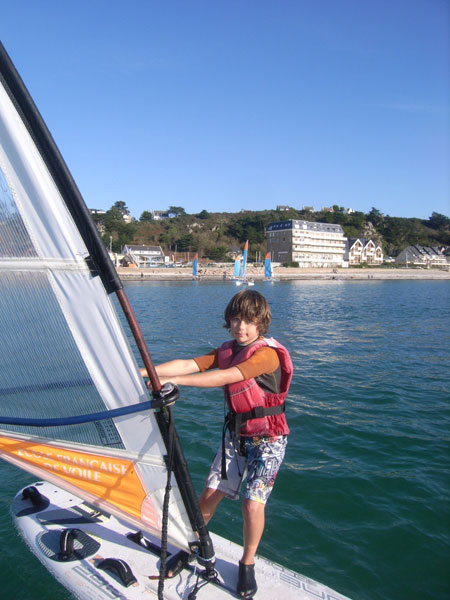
[(244, 261), (237, 266), (268, 266), (195, 266), (73, 407)]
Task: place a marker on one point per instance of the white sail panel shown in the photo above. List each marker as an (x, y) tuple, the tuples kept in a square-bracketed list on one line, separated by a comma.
[(106, 353), (34, 191)]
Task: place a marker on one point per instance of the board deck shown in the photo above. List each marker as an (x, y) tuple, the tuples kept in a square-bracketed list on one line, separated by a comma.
[(94, 536)]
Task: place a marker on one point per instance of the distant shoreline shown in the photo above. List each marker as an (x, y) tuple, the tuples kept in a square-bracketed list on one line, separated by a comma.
[(212, 273)]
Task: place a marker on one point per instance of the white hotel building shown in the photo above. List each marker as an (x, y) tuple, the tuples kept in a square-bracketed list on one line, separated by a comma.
[(307, 243)]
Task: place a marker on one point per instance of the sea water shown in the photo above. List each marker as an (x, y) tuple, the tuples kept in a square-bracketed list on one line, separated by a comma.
[(361, 503)]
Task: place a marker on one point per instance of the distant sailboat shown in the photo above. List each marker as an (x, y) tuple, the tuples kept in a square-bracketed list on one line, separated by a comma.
[(268, 267), (237, 266), (244, 261), (243, 269), (268, 270), (195, 267)]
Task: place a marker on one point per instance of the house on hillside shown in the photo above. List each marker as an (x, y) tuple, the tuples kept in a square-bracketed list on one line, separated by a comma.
[(422, 256), (98, 212), (143, 256), (361, 250), (158, 215)]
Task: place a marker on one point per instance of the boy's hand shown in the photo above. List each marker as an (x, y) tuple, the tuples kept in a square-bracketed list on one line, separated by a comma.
[(164, 380)]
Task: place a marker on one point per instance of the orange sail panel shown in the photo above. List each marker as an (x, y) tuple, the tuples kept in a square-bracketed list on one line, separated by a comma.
[(111, 479)]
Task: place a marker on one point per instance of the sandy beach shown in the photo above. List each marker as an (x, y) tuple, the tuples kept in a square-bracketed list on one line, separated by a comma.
[(218, 273)]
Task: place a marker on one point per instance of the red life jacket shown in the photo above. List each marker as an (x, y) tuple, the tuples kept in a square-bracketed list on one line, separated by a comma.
[(262, 410)]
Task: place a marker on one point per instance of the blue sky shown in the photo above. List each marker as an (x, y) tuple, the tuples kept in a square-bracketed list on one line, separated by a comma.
[(226, 105)]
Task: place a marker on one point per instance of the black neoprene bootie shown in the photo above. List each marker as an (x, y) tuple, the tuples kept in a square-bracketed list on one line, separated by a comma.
[(246, 587)]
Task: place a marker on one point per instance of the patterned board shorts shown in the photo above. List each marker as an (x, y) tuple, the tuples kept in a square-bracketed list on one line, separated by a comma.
[(259, 463)]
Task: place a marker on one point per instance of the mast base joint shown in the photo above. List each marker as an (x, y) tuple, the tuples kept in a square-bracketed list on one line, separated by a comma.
[(166, 396)]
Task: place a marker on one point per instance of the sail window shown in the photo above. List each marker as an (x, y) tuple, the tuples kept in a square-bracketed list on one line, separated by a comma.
[(14, 238)]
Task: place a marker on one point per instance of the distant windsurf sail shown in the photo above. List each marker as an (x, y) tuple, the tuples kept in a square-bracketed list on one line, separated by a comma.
[(237, 266), (195, 266), (73, 407), (244, 260), (268, 266)]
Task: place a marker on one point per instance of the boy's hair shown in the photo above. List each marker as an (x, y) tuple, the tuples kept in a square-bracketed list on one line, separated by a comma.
[(250, 306)]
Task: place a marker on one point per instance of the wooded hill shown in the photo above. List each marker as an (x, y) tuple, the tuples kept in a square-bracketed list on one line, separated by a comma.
[(213, 235)]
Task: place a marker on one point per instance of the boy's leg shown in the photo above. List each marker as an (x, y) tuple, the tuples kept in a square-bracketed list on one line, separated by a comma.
[(211, 496), (209, 501), (254, 518), (253, 513), (264, 457)]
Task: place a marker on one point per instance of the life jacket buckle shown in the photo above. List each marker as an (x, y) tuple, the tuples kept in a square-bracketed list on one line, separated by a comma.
[(259, 412)]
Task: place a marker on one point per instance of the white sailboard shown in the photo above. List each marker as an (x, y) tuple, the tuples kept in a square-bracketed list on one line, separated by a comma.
[(74, 410), (86, 550)]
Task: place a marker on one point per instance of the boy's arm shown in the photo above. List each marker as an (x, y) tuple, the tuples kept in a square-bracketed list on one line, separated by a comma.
[(174, 367), (215, 378)]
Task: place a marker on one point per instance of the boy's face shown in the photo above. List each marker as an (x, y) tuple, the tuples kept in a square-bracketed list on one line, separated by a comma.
[(243, 331)]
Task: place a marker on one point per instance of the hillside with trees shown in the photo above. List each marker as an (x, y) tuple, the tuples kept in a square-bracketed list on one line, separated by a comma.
[(213, 235)]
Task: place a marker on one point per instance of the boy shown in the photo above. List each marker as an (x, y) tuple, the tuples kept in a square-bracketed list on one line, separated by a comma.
[(255, 373)]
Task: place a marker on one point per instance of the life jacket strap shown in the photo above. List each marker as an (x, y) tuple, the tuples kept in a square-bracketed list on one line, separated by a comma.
[(259, 412), (235, 421)]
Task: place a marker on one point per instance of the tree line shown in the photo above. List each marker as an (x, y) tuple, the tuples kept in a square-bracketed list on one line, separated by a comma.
[(213, 235)]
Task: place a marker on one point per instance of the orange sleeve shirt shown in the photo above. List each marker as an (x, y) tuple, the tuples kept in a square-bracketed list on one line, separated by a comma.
[(263, 361)]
